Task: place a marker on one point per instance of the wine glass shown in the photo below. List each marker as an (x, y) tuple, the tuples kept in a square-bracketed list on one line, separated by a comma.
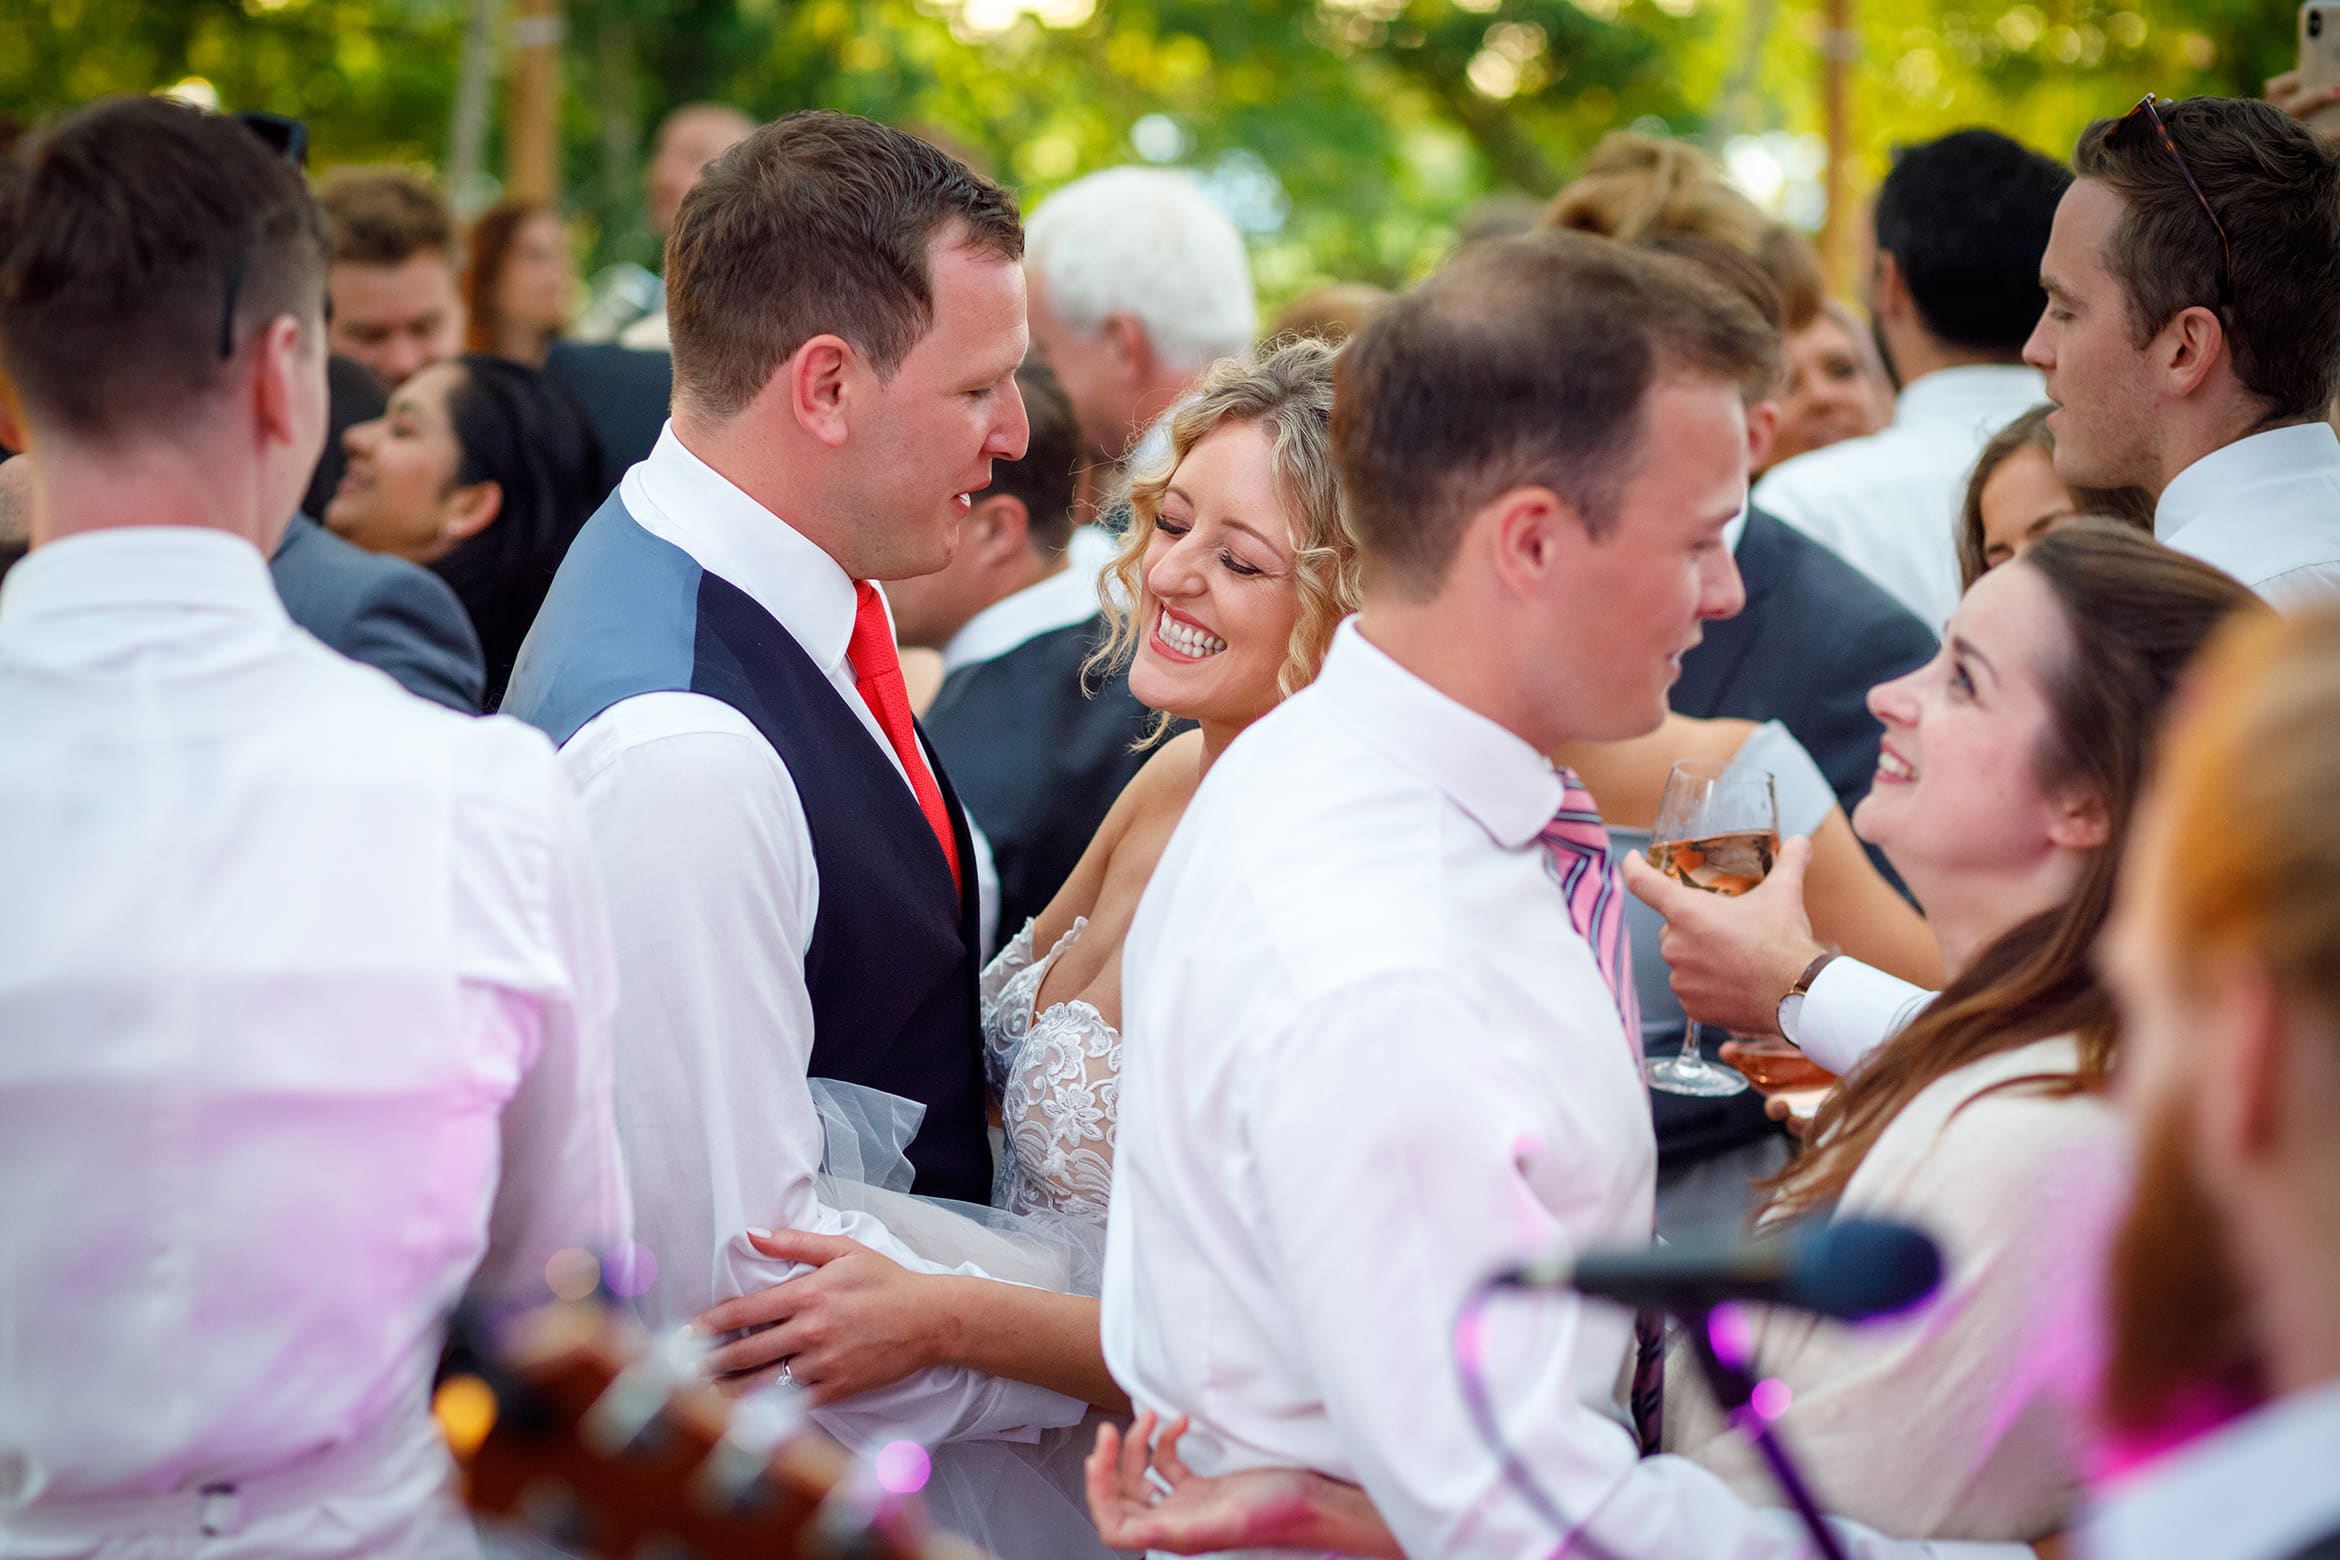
[(1717, 831)]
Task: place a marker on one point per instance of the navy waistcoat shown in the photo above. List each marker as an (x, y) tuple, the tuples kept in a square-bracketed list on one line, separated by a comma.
[(891, 967)]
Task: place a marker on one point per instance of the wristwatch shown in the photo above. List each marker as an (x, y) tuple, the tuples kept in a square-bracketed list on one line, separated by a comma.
[(1791, 1006)]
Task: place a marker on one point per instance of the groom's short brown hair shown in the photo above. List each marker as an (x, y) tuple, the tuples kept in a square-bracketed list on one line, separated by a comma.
[(1525, 362), (818, 223)]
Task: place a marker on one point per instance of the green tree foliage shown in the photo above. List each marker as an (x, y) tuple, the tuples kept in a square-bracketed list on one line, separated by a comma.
[(1350, 133)]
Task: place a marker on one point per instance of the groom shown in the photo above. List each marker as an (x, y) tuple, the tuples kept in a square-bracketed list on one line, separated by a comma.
[(791, 881), (1373, 994)]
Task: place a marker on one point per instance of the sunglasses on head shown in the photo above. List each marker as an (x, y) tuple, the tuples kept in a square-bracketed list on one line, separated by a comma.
[(289, 140), (2146, 112)]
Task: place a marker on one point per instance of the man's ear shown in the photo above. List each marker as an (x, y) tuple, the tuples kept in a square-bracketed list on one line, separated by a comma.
[(2189, 347), (471, 510), (997, 529), (12, 432), (2253, 1030), (1133, 346), (276, 379), (821, 382), (1533, 533), (1890, 289), (1762, 433)]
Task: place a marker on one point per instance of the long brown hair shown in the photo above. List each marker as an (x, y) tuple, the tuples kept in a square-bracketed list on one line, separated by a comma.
[(2131, 506), (2136, 613)]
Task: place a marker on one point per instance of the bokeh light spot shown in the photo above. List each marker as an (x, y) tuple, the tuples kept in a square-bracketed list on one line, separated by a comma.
[(573, 1274), (902, 1467), (1732, 1333), (631, 1271), (465, 1408)]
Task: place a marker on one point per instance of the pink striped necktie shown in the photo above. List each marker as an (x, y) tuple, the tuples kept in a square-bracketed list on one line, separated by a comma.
[(1576, 847)]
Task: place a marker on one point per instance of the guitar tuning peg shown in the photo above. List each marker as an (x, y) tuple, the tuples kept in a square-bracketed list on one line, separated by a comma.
[(846, 1525), (629, 1407), (733, 1478), (681, 1353), (551, 1509)]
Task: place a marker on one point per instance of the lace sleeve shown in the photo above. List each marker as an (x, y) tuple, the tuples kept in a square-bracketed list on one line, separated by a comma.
[(1011, 961), (992, 990)]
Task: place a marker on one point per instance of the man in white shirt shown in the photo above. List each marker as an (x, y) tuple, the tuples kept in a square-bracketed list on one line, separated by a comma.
[(2192, 335), (2224, 955), (1373, 994), (791, 881), (1960, 224), (304, 983), (1037, 747)]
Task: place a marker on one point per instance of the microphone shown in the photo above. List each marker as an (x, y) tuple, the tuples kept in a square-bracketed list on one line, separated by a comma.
[(1849, 1269)]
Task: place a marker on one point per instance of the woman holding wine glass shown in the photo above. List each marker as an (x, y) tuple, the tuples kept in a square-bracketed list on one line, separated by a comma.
[(2011, 765), (1726, 763)]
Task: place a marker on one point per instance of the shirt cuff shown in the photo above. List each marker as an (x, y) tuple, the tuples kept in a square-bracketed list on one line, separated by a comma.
[(1851, 1010)]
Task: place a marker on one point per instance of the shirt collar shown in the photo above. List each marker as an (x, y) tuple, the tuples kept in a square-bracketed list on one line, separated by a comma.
[(1507, 786), (679, 498), (165, 567), (1973, 394), (2208, 487), (1059, 601), (2257, 1489)]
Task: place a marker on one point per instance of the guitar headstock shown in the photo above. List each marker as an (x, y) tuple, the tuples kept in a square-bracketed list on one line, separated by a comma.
[(570, 1422)]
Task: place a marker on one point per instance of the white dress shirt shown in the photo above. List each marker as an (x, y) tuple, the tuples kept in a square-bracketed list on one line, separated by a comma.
[(1888, 504), (2266, 509), (703, 842), (2261, 1488), (1852, 1009), (304, 1002), (1368, 1061), (1043, 607), (1971, 1417)]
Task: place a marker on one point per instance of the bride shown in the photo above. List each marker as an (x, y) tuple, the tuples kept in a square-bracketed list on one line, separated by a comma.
[(1237, 566)]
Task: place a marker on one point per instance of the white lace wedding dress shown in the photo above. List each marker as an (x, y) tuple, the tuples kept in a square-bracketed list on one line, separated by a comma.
[(1057, 1077)]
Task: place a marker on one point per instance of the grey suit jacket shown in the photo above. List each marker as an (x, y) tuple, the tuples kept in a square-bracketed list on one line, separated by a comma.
[(392, 615)]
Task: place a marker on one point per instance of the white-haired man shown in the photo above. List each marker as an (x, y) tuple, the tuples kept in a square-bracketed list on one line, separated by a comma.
[(1137, 283)]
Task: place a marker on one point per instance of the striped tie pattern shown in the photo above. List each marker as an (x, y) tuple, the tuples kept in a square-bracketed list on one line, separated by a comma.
[(1576, 849)]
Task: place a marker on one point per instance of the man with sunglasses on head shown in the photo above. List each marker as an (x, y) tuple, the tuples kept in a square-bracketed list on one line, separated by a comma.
[(2192, 334), (305, 984)]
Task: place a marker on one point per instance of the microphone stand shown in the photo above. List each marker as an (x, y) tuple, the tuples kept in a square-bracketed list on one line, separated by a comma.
[(1733, 1383)]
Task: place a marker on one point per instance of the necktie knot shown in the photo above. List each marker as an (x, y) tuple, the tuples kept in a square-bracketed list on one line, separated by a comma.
[(1576, 848), (871, 649)]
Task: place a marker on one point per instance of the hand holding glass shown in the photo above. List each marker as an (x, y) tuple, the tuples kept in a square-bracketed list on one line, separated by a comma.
[(1716, 831)]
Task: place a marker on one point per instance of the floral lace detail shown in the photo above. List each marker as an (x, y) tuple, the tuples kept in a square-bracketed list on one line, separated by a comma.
[(1057, 1076)]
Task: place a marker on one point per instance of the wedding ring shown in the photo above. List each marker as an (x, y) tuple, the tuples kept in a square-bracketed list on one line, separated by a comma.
[(787, 1376)]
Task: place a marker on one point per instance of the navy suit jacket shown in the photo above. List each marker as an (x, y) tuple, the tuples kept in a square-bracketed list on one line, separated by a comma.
[(395, 616), (1815, 636), (624, 392)]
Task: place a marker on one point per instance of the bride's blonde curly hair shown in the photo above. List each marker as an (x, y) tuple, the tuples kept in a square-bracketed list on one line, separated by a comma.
[(1289, 392)]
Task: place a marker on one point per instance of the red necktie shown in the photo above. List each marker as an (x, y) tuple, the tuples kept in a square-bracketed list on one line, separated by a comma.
[(877, 672)]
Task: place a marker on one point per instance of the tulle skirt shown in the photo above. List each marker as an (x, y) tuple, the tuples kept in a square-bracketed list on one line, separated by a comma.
[(1019, 1500)]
